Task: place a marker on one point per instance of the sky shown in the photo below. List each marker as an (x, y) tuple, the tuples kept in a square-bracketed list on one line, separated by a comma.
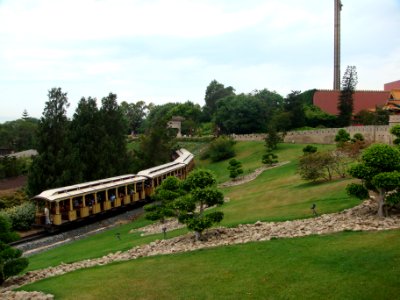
[(170, 50)]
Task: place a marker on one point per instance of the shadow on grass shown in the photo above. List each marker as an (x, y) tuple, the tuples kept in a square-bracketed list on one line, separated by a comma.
[(306, 185)]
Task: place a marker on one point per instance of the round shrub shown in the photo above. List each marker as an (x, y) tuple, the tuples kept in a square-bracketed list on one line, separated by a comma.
[(310, 149), (357, 190), (221, 148), (22, 216)]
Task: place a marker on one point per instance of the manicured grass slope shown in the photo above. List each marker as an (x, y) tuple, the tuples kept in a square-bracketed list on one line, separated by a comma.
[(248, 153), (97, 245), (280, 194), (276, 195), (349, 265)]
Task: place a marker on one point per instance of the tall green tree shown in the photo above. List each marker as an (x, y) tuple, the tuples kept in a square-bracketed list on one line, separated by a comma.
[(214, 92), (134, 114), (49, 167), (294, 104), (87, 137), (114, 160), (201, 186), (156, 146), (20, 134), (345, 103), (241, 114)]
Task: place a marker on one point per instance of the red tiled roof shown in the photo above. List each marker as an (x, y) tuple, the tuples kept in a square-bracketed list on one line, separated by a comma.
[(393, 105), (327, 100), (392, 85)]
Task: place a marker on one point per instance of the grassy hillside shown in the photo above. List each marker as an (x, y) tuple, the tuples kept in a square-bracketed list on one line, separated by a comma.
[(276, 195), (349, 265)]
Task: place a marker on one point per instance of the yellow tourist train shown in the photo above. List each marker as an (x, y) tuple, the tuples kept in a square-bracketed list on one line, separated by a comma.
[(68, 204)]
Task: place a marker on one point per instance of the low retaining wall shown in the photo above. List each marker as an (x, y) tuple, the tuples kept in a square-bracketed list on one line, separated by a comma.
[(379, 134)]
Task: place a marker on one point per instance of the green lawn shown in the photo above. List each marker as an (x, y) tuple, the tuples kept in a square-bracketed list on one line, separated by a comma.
[(97, 245), (276, 195), (250, 153), (349, 265), (280, 194)]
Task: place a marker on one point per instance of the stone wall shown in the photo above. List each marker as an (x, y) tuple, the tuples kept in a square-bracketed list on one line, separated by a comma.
[(379, 134)]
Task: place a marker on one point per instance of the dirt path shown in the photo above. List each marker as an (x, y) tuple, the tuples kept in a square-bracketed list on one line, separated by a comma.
[(13, 183)]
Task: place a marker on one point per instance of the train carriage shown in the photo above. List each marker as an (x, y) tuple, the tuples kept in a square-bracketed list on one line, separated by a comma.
[(63, 205)]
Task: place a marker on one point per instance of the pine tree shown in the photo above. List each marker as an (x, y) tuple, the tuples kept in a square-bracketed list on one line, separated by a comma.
[(345, 103), (50, 168), (86, 135), (235, 168), (114, 159)]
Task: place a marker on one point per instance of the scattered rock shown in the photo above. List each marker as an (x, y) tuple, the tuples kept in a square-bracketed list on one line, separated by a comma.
[(359, 218)]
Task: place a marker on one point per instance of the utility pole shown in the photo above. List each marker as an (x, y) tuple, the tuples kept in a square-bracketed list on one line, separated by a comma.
[(336, 71)]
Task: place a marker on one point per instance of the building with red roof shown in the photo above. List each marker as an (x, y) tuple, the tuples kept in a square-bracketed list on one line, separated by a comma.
[(395, 85), (327, 100), (393, 103)]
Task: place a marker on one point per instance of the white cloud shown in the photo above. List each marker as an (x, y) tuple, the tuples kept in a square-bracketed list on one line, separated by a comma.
[(169, 50)]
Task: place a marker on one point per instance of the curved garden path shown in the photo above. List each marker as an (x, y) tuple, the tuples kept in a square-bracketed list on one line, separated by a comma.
[(251, 176)]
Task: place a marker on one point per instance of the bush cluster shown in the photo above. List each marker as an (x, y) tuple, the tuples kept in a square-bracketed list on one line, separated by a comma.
[(220, 149), (12, 166), (14, 199), (21, 216)]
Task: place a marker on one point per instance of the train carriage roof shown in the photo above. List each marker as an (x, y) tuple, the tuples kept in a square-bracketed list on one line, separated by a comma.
[(161, 170), (67, 192), (184, 157)]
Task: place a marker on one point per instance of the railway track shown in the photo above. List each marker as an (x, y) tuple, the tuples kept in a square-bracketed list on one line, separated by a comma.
[(30, 238), (42, 241)]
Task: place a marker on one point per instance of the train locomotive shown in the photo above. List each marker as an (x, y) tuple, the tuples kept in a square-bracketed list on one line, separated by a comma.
[(64, 205)]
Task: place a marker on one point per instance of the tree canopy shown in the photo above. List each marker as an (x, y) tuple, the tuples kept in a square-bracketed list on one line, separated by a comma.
[(379, 171), (49, 167), (91, 146), (345, 103), (11, 262), (214, 92)]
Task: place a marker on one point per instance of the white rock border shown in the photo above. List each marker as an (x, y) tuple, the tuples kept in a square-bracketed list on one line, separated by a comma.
[(360, 218)]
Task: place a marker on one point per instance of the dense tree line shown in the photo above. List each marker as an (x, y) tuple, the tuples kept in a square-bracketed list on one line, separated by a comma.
[(90, 146), (20, 134)]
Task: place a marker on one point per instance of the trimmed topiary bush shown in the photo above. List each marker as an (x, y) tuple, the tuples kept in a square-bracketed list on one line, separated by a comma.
[(310, 149), (11, 262)]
